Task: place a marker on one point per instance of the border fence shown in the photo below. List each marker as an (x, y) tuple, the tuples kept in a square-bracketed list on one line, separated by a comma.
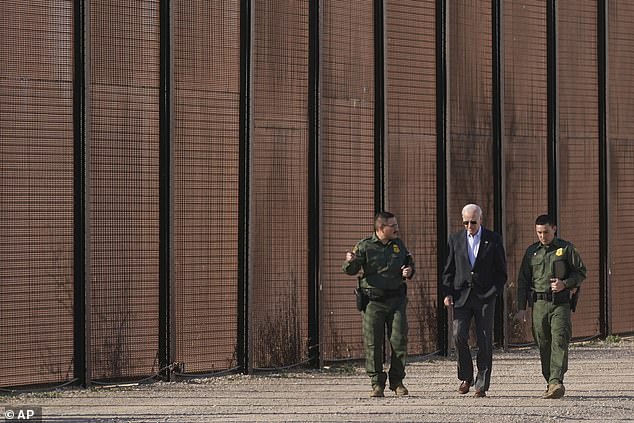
[(180, 180)]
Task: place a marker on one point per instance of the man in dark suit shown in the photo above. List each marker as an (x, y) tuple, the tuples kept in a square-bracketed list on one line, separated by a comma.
[(474, 275)]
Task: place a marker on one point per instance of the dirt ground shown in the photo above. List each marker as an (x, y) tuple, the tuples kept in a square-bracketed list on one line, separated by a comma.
[(599, 387)]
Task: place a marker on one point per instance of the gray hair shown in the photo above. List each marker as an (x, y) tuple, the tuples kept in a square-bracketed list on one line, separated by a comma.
[(472, 207)]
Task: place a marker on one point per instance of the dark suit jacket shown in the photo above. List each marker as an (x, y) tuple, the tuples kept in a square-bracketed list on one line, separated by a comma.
[(488, 275)]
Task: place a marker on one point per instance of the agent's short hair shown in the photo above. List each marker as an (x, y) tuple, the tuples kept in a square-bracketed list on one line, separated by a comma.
[(545, 219), (381, 218)]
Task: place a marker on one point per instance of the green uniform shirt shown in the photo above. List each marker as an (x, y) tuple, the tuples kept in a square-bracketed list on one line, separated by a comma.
[(381, 263), (538, 264)]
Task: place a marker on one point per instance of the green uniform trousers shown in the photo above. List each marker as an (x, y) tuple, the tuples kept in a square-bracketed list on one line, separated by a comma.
[(552, 330), (378, 316)]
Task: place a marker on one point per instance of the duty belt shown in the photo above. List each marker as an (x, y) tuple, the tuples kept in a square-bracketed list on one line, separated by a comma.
[(386, 294), (558, 298), (546, 296)]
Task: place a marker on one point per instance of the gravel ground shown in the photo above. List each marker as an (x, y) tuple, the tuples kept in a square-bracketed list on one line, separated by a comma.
[(599, 387)]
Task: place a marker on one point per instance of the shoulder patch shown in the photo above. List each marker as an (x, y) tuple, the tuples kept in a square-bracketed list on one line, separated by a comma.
[(559, 252), (396, 249)]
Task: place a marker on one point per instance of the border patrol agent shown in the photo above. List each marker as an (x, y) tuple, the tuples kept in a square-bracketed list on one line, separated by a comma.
[(385, 263), (551, 271)]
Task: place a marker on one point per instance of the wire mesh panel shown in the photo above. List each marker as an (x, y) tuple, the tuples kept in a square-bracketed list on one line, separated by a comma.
[(278, 241), (206, 57), (621, 171), (36, 192), (123, 184), (525, 137), (578, 159), (346, 164), (410, 185), (470, 134)]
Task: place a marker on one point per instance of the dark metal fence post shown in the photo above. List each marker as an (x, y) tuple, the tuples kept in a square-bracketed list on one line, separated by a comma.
[(242, 349), (551, 41), (80, 335), (441, 165), (165, 331), (313, 185), (604, 180), (498, 153), (379, 106)]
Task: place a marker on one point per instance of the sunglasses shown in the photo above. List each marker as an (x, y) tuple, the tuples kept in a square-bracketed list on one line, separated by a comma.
[(466, 222)]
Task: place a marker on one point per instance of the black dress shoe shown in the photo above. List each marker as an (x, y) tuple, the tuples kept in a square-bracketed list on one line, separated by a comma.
[(464, 386)]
